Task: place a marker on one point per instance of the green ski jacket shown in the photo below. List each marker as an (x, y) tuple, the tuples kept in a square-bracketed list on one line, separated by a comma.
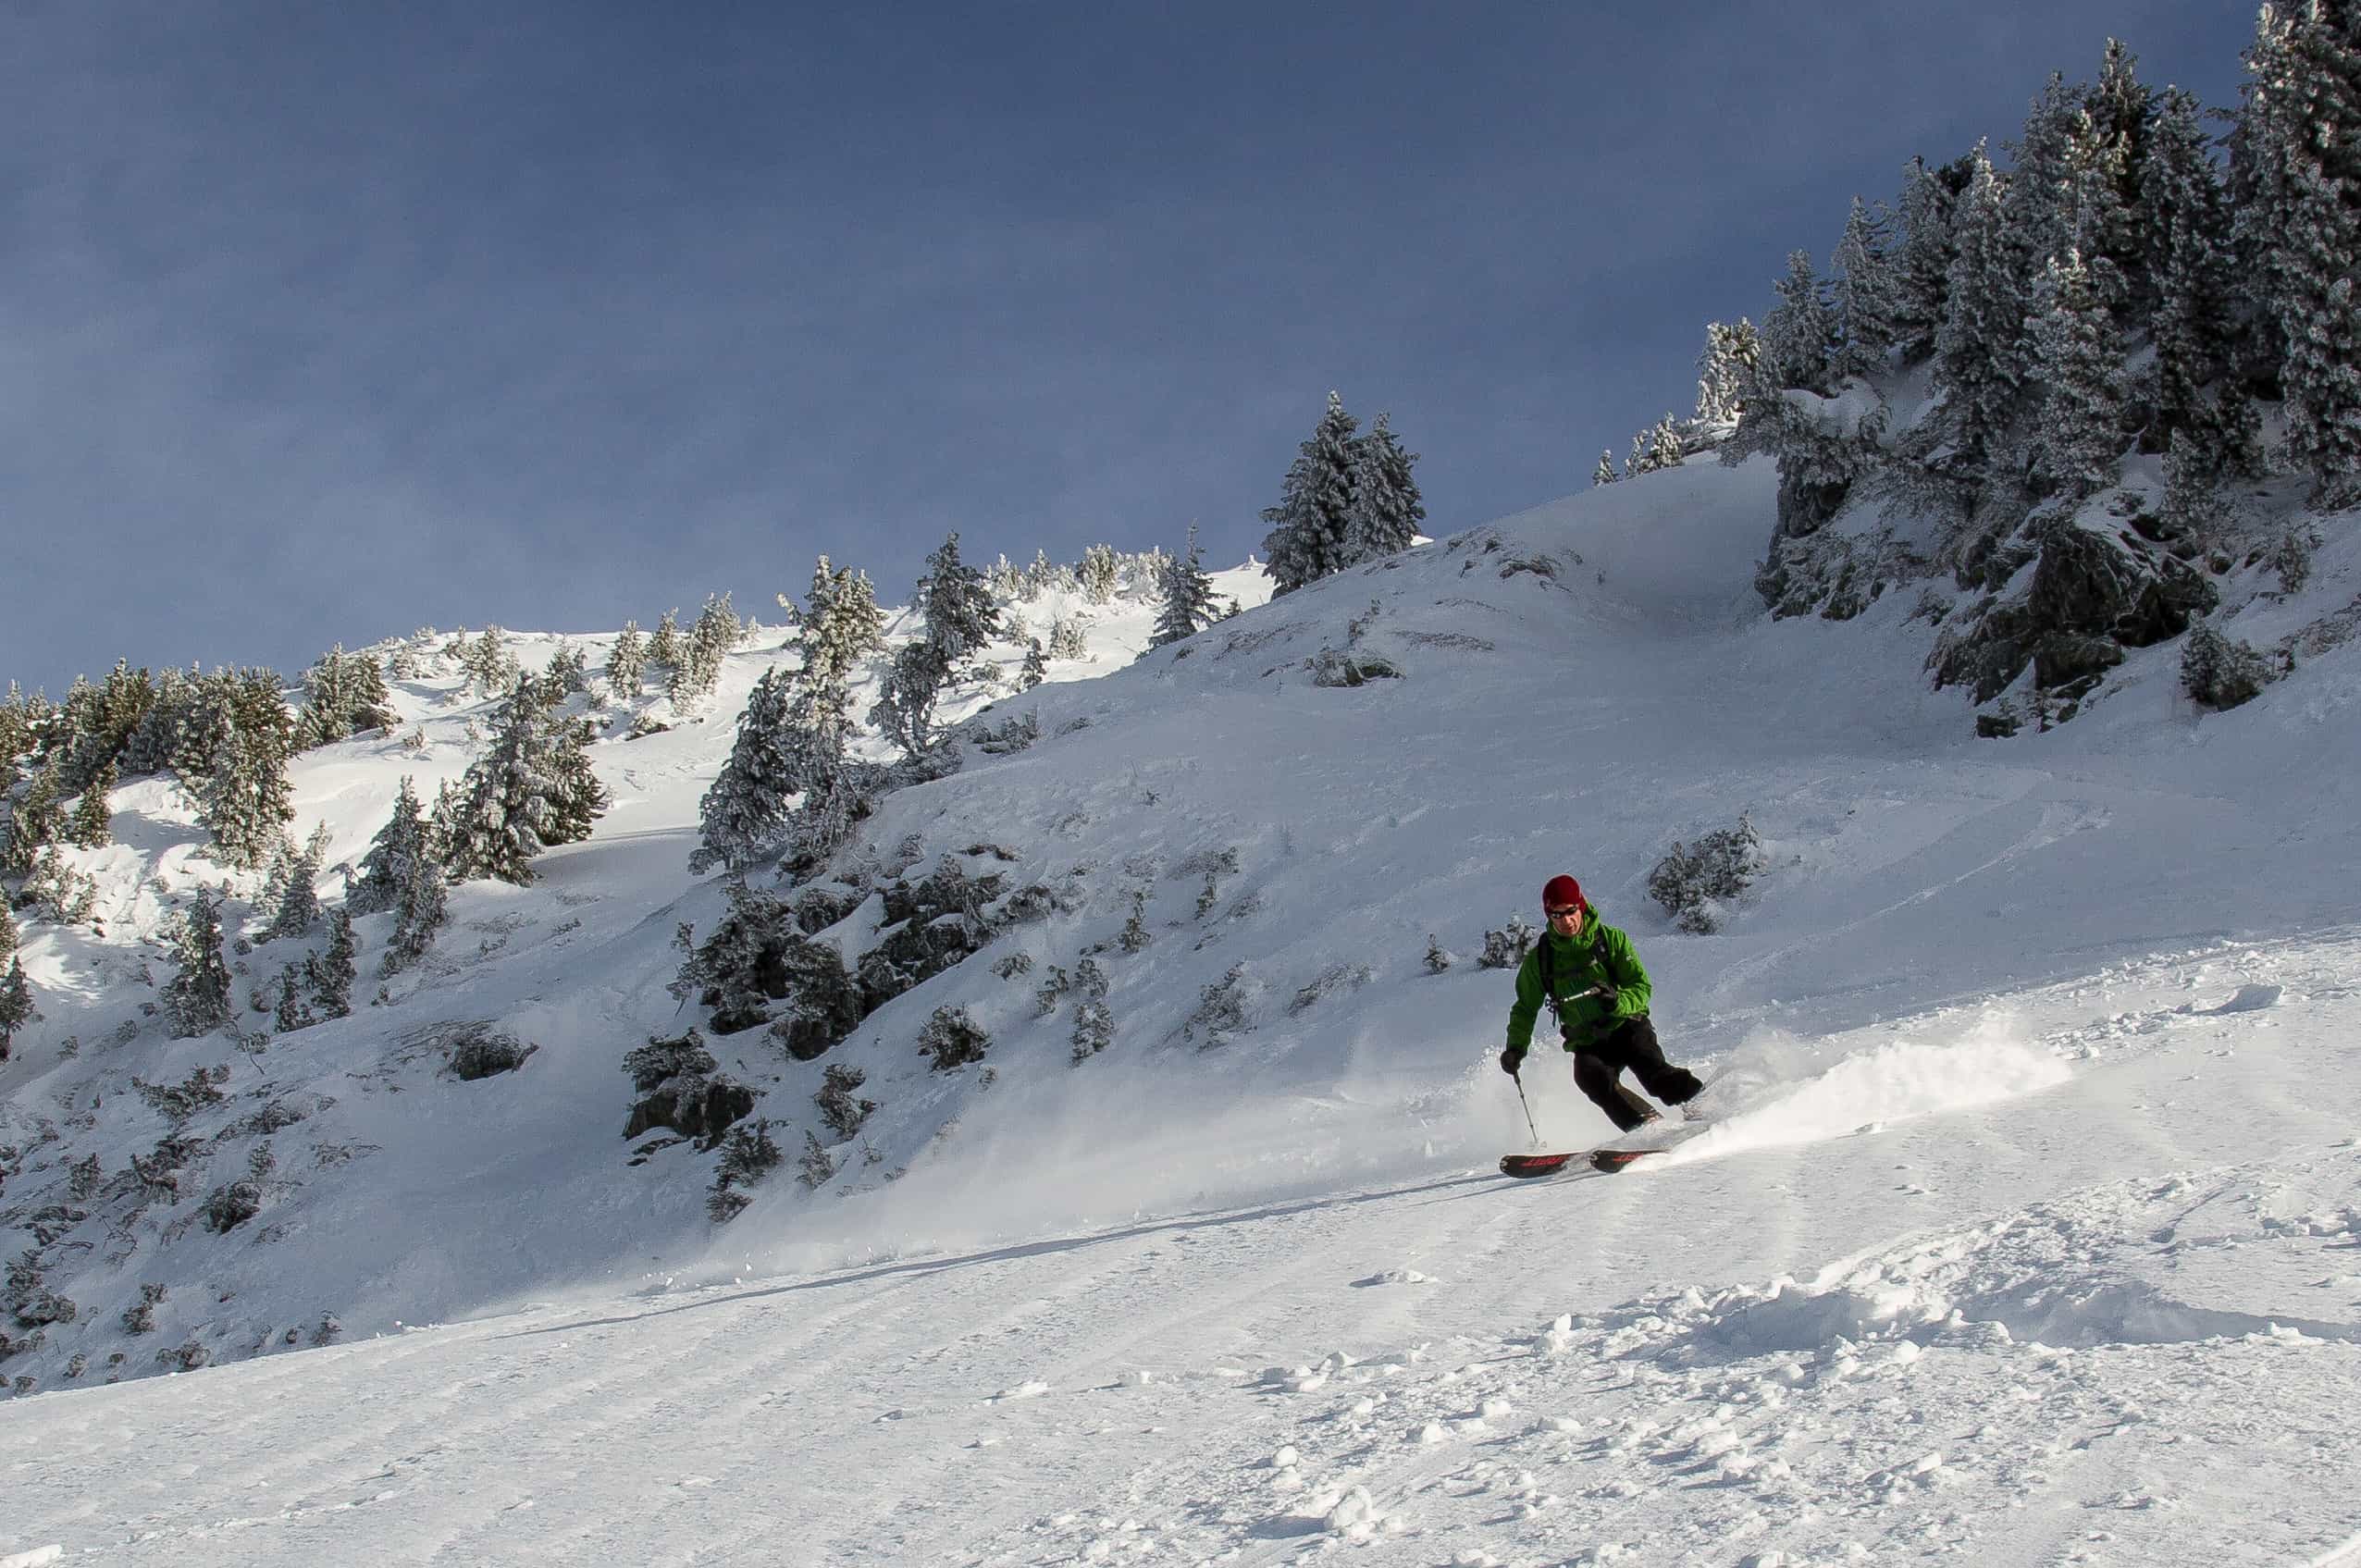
[(1599, 955)]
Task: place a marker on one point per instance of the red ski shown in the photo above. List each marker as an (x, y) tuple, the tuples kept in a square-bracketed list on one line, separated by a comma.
[(1609, 1160)]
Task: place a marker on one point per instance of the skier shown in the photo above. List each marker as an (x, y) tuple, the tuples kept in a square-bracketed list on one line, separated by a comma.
[(1587, 972)]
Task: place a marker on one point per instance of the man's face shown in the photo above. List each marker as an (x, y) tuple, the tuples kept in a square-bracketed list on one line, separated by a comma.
[(1566, 921)]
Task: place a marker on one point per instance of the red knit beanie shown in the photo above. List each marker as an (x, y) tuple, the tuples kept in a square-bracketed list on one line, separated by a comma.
[(1560, 893)]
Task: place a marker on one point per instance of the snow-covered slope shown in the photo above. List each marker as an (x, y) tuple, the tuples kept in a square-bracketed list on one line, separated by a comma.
[(2034, 1174)]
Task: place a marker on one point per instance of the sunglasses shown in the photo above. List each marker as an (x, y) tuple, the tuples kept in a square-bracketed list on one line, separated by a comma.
[(1561, 914)]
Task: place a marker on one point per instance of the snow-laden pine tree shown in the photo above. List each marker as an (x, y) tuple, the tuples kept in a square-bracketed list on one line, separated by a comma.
[(711, 635), (839, 631), (960, 618), (1189, 603), (420, 908), (1979, 357), (839, 792), (35, 820), (532, 789), (392, 855), (491, 667), (664, 644), (2078, 360), (1035, 668), (196, 999), (2310, 131), (1606, 472), (1312, 522), (1729, 358), (625, 662), (293, 1012), (1387, 507), (16, 1003), (330, 971), (246, 800), (9, 938), (2193, 384), (1099, 573), (1923, 256), (299, 902), (88, 827), (2110, 147), (1863, 295), (744, 812)]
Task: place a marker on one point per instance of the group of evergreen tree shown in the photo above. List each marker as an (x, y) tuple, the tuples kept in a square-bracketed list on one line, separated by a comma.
[(2030, 291), (531, 789), (1347, 499)]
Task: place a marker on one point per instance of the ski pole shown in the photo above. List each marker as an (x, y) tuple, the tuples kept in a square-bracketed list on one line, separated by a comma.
[(1536, 1131)]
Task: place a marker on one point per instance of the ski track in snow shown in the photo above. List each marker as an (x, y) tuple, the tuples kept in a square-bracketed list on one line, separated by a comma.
[(1456, 1369)]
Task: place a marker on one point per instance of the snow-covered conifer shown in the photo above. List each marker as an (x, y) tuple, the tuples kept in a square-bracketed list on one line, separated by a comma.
[(1098, 573), (1387, 507), (343, 694), (420, 902), (2079, 359), (1642, 456), (1606, 472), (299, 902), (2314, 124), (489, 665), (88, 826), (36, 819), (744, 812), (388, 865), (664, 644), (713, 633), (1189, 603), (1066, 640), (1310, 526), (1979, 348), (532, 789), (1923, 257), (1729, 358), (2193, 388), (196, 999), (1035, 669), (58, 890), (961, 619), (331, 970), (16, 1003), (1663, 445), (291, 1013), (2219, 671), (840, 629), (1863, 296), (625, 660)]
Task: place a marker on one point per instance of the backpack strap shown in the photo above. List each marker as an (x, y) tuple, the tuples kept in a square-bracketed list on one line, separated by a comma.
[(1548, 980)]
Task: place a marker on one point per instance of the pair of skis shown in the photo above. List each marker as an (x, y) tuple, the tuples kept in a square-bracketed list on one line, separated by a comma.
[(1608, 1160)]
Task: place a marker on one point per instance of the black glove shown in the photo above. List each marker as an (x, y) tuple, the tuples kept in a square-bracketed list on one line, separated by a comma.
[(1512, 1058)]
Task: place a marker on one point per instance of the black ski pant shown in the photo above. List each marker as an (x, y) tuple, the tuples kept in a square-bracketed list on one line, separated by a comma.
[(1599, 1067)]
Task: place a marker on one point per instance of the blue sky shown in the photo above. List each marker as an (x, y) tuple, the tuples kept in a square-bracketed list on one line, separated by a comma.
[(322, 323)]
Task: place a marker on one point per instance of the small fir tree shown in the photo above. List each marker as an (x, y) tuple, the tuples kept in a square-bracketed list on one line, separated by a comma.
[(1189, 603), (197, 999), (531, 790), (292, 1014), (88, 827), (1035, 668), (625, 662), (392, 855), (1606, 472), (743, 815), (664, 645), (1099, 573), (299, 902), (1863, 296), (332, 971), (15, 1002)]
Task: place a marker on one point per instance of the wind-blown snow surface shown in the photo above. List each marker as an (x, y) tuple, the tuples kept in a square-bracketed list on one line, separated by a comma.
[(2029, 1230)]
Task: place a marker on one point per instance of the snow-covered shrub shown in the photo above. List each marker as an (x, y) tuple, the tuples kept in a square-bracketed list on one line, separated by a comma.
[(1438, 958), (231, 1204), (1011, 734), (178, 1102), (32, 1304), (1336, 977), (2220, 671), (139, 1316), (1013, 966), (1052, 990), (1334, 667), (817, 1165), (748, 1154), (840, 1107), (1696, 883), (1093, 1028), (1221, 1008), (1135, 934), (1505, 948), (951, 1039)]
